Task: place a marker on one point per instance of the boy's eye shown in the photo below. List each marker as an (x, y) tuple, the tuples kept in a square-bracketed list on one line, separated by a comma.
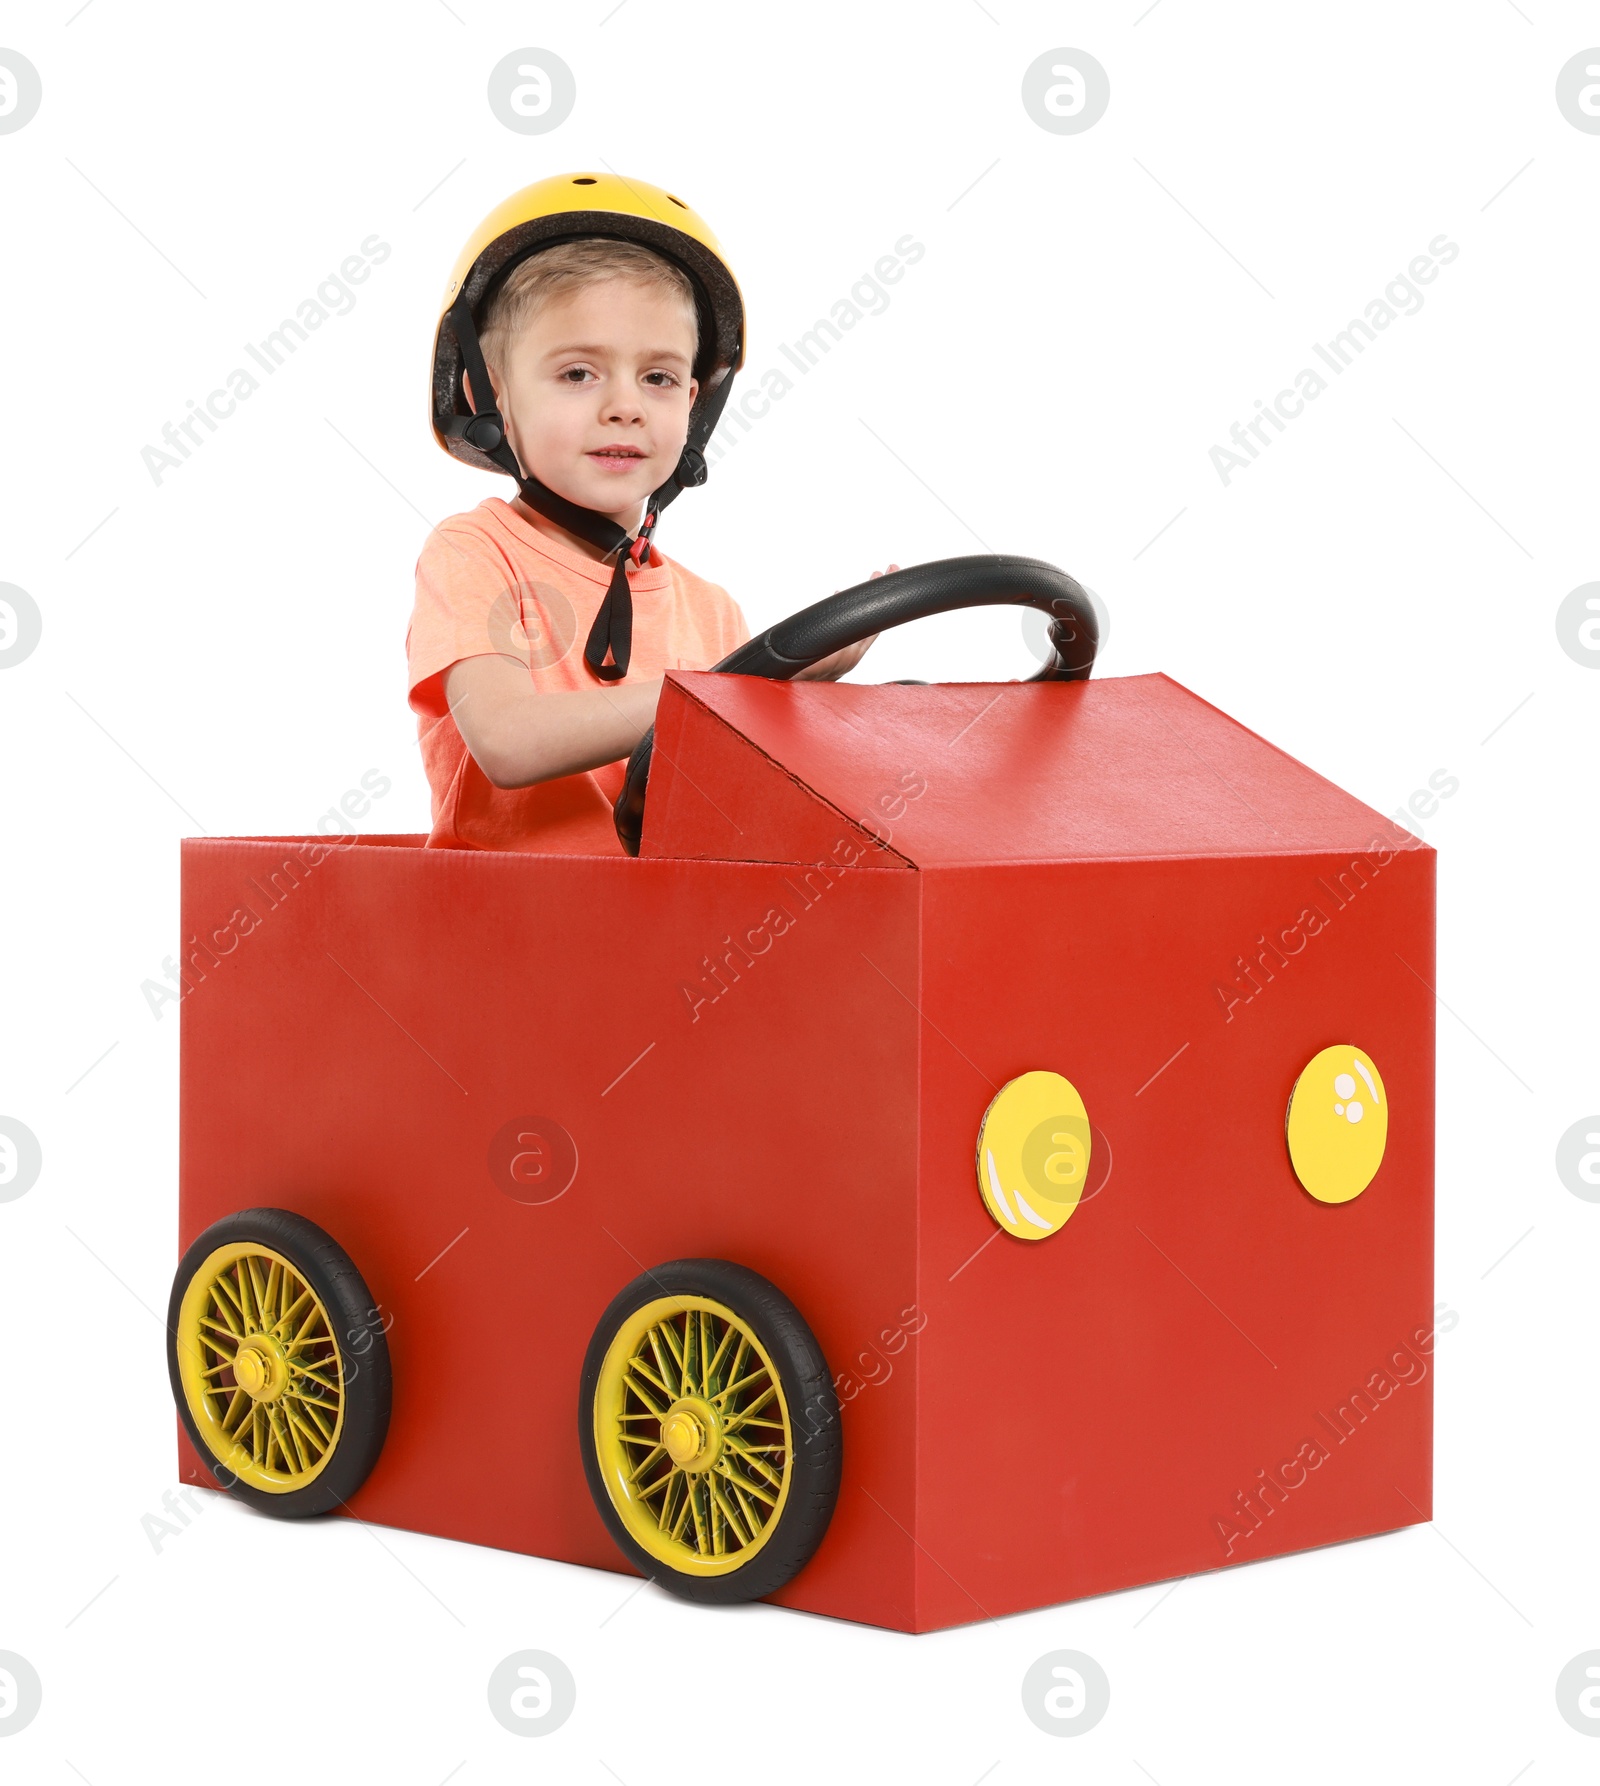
[(659, 380)]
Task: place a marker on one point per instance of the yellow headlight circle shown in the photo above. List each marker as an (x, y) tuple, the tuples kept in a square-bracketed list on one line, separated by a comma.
[(1034, 1146), (1337, 1123)]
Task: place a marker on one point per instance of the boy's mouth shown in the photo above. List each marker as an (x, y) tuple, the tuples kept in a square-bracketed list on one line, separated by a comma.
[(616, 457)]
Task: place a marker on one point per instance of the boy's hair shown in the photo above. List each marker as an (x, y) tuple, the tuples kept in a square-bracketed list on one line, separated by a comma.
[(558, 272)]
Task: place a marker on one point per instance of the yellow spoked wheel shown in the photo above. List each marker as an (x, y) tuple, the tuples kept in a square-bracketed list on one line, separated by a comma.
[(268, 1393), (711, 1430), (261, 1368), (693, 1433)]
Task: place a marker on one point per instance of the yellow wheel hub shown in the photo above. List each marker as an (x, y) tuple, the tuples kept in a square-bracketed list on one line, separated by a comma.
[(261, 1369), (693, 1435), (691, 1431)]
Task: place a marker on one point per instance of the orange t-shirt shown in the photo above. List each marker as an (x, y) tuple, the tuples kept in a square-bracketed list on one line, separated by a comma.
[(490, 582)]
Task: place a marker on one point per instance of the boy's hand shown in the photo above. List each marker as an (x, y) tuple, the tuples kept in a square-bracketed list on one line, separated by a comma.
[(832, 667)]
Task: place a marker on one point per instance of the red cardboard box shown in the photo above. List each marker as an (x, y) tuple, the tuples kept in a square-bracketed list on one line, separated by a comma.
[(860, 911)]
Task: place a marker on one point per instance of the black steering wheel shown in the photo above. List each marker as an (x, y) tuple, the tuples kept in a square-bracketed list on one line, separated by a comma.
[(989, 580)]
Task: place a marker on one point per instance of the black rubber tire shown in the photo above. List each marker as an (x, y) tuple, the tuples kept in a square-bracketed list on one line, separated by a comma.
[(807, 1385), (332, 1274)]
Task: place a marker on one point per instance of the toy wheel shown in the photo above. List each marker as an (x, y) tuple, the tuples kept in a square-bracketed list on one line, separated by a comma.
[(278, 1361), (710, 1431)]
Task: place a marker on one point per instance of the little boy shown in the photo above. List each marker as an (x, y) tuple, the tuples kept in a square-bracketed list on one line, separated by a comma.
[(536, 649)]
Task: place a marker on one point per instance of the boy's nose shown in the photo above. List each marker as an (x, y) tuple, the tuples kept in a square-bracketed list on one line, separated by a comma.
[(622, 406)]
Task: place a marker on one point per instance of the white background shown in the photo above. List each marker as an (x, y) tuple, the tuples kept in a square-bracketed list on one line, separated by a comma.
[(224, 652)]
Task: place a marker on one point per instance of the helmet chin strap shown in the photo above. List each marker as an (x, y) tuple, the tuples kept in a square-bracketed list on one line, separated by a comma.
[(612, 631)]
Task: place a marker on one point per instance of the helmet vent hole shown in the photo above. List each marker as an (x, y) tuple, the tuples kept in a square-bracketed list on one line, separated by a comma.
[(677, 201), (584, 180)]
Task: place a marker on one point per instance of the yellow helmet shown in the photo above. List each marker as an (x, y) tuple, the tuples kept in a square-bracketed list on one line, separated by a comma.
[(555, 210), (569, 205)]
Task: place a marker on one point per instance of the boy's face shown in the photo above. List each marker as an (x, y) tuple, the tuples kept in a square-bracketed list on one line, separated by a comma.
[(596, 393)]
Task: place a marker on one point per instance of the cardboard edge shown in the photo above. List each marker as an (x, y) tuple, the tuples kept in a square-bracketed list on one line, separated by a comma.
[(853, 826), (1288, 757)]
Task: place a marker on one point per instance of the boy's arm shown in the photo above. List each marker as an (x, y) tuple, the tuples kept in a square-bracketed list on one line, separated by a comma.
[(518, 735)]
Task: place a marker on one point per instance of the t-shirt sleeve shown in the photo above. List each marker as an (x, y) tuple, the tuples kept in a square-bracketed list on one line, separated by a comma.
[(460, 579)]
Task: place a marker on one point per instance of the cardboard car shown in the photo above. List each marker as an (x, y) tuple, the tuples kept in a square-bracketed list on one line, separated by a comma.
[(978, 1154)]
